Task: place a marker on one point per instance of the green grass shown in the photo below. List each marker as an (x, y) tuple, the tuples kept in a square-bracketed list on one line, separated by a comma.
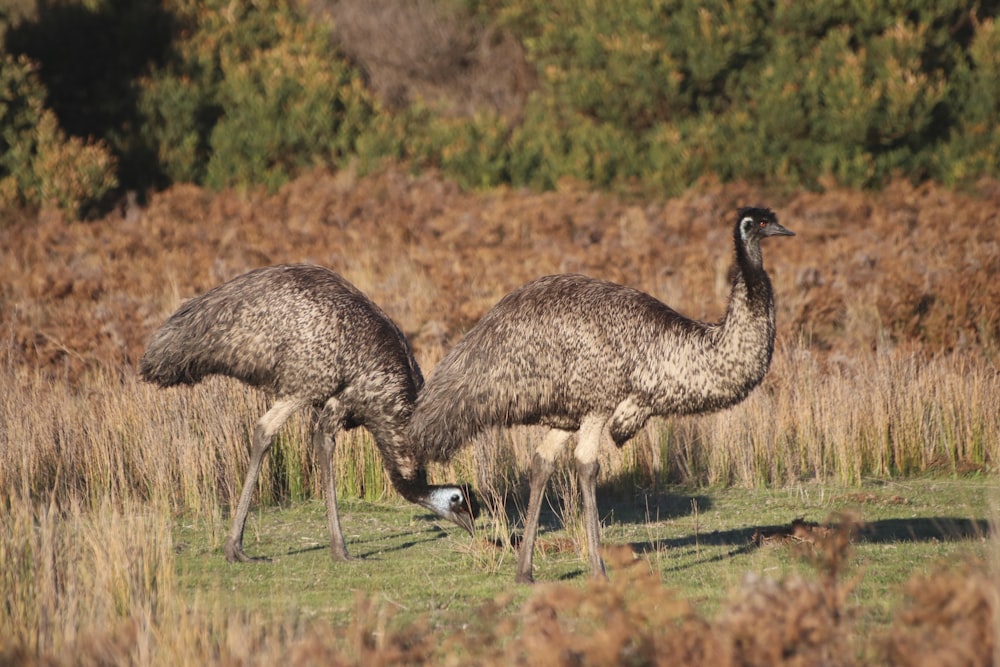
[(399, 556), (700, 541)]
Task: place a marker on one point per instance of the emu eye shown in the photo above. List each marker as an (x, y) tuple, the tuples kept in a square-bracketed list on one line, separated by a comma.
[(763, 224)]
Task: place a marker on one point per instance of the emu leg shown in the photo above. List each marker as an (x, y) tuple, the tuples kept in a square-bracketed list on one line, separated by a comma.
[(263, 435), (587, 473), (541, 469), (591, 432), (324, 440)]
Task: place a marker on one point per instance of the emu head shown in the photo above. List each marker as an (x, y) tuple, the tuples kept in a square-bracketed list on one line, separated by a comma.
[(757, 223), (458, 504)]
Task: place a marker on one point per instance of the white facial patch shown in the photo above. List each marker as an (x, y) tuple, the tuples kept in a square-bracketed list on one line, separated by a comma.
[(445, 498)]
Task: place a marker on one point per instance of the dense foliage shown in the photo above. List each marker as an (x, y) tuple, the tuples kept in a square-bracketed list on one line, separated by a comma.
[(654, 95)]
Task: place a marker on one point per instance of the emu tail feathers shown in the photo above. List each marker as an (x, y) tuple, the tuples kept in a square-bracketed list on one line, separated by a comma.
[(188, 346), (166, 362)]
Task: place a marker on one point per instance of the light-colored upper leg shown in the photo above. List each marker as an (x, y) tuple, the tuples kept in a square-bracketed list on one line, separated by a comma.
[(279, 413), (553, 443), (588, 445)]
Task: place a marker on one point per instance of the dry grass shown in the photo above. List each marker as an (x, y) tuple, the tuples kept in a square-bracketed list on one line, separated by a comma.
[(103, 593), (951, 619), (886, 366)]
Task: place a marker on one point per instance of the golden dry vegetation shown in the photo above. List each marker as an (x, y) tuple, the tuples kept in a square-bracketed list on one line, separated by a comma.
[(910, 268), (878, 291), (886, 364)]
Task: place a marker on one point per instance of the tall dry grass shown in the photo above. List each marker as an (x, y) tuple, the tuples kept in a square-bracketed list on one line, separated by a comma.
[(884, 414), (74, 576), (93, 474), (115, 439)]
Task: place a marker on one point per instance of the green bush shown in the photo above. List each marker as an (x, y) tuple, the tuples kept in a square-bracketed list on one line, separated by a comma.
[(473, 150), (255, 93), (39, 164), (633, 93), (795, 92), (973, 149), (554, 142)]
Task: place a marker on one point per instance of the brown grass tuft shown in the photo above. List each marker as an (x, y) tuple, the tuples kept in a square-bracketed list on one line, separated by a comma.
[(950, 618)]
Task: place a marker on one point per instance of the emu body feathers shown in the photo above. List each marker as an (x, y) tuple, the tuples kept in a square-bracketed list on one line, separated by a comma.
[(312, 340), (586, 356)]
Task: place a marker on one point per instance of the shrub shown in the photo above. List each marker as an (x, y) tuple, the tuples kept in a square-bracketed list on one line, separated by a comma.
[(973, 148), (39, 164), (255, 93), (554, 142), (741, 89), (656, 94)]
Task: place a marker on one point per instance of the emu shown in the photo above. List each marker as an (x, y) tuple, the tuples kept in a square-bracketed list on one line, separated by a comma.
[(313, 340), (577, 354)]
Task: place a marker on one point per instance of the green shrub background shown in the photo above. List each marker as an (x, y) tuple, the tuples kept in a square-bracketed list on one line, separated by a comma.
[(646, 96)]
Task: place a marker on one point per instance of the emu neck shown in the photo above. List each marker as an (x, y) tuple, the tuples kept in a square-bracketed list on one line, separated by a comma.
[(748, 255), (746, 333), (414, 488), (407, 474), (750, 271)]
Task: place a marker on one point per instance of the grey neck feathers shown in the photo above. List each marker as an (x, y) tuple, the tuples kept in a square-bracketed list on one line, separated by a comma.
[(750, 271), (414, 489)]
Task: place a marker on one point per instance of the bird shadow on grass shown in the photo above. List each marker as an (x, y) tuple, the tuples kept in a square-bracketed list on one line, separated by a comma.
[(882, 531), (613, 508), (382, 544)]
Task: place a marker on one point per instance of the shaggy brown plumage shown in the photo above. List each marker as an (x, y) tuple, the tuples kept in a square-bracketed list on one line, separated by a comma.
[(578, 354), (312, 340)]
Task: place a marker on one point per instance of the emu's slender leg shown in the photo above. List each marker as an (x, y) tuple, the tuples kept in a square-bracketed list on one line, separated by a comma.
[(325, 430), (591, 431), (263, 434), (541, 469)]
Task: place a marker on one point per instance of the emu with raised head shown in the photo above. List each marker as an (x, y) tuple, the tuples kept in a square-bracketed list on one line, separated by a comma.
[(586, 356), (312, 340)]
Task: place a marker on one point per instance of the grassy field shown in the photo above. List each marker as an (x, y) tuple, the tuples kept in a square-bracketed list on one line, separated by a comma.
[(881, 408), (141, 586), (117, 501), (702, 542)]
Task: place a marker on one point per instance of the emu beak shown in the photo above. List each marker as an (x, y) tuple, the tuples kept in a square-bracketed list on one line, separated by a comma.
[(777, 230), (465, 520)]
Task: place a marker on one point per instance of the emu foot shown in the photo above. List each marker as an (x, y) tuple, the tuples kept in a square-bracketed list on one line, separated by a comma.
[(234, 552), (524, 578)]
